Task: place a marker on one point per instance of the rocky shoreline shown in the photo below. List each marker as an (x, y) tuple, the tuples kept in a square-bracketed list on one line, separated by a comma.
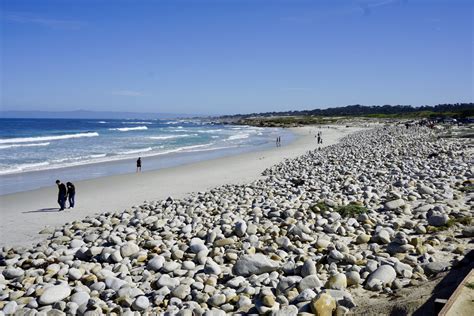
[(385, 209)]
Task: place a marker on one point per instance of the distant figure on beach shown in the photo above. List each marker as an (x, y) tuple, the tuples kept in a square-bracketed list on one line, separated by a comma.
[(62, 194), (139, 164), (319, 138), (278, 141), (71, 194)]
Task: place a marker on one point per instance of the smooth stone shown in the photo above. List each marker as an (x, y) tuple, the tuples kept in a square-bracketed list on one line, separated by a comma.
[(384, 275), (362, 238), (197, 245), (383, 236), (468, 231), (114, 283), (435, 267), (395, 204), (287, 310), (308, 268), (353, 278), (211, 267), (129, 249), (337, 281), (323, 305), (54, 294), (240, 228), (438, 219), (75, 274), (309, 282), (403, 269), (10, 308), (141, 303), (258, 263), (181, 291), (12, 273), (156, 263), (80, 298)]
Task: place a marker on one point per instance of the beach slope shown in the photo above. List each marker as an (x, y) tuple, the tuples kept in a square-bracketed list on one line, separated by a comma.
[(25, 214)]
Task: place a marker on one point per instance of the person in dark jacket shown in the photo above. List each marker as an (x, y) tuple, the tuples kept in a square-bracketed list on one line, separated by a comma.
[(139, 164), (62, 194), (71, 193)]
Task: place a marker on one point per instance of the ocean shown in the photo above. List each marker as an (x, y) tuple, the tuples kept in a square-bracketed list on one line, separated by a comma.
[(34, 152)]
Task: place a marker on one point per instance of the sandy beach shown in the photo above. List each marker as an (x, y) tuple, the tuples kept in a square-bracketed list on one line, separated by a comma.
[(25, 214)]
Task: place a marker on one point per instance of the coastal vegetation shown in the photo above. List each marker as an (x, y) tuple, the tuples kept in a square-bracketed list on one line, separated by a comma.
[(339, 114)]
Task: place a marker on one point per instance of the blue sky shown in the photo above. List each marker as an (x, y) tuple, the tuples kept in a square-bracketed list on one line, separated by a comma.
[(220, 57)]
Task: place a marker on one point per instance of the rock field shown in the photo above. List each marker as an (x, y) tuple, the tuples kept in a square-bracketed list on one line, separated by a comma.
[(384, 209)]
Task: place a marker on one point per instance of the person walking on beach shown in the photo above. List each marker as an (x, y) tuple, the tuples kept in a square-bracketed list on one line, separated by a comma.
[(71, 193), (139, 164), (62, 193)]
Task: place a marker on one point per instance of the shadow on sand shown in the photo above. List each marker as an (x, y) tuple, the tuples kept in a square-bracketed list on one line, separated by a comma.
[(42, 210), (446, 287)]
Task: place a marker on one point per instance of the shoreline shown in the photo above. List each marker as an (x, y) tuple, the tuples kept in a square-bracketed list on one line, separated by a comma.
[(24, 214), (109, 166)]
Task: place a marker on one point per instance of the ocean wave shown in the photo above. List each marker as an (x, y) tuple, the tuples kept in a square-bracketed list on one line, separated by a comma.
[(238, 136), (146, 123), (210, 131), (46, 138), (25, 167), (172, 136), (102, 122), (79, 158), (24, 145), (126, 129), (136, 151)]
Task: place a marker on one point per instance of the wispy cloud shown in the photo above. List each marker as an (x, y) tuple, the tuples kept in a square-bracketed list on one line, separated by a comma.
[(358, 7), (128, 93), (43, 21), (367, 6)]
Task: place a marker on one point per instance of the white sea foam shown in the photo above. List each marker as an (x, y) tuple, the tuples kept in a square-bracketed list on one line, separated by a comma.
[(210, 131), (146, 123), (185, 148), (126, 129), (136, 151), (24, 145), (238, 136), (172, 136), (46, 138), (28, 166), (102, 122)]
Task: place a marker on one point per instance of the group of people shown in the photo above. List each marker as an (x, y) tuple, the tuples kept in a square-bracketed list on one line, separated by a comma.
[(66, 192), (278, 141), (319, 137)]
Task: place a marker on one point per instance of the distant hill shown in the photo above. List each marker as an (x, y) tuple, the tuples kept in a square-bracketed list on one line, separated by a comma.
[(83, 114)]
